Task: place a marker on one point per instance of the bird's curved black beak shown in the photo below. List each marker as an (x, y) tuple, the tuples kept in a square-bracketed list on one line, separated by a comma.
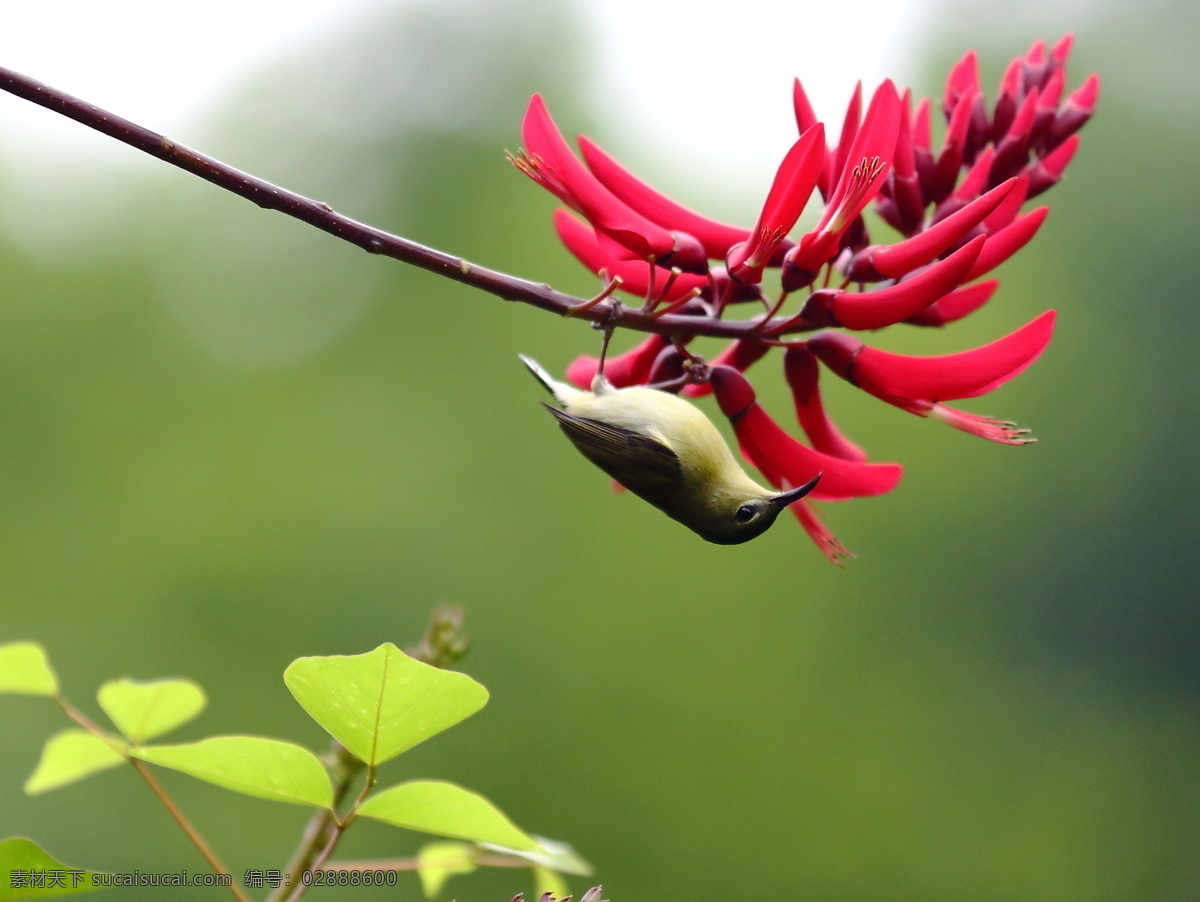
[(783, 499)]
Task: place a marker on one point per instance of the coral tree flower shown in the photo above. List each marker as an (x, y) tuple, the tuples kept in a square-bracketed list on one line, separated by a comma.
[(957, 205)]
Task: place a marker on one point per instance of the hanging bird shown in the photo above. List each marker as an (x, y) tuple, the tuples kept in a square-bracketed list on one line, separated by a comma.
[(664, 450)]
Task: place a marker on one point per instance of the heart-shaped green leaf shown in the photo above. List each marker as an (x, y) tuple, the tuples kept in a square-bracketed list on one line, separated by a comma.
[(25, 669), (382, 703), (445, 809), (69, 756), (267, 768), (29, 872), (437, 862), (142, 711)]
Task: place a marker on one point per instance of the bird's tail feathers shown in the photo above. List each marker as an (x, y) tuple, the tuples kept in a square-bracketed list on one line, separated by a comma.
[(563, 393)]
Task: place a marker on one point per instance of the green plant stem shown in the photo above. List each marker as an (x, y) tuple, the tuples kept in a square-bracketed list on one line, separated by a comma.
[(193, 834), (611, 314), (160, 791), (442, 644), (336, 828), (321, 826)]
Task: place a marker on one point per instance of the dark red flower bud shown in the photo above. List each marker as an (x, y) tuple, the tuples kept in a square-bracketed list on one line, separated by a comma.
[(1012, 92), (806, 119), (1012, 153), (1047, 170), (740, 354), (1075, 112)]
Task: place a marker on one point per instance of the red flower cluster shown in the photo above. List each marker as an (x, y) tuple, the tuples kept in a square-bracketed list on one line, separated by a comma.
[(957, 208)]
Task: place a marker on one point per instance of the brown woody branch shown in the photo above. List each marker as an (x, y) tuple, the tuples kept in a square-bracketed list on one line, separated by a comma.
[(377, 241)]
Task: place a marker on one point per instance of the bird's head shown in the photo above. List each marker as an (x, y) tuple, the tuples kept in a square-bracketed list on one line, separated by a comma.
[(744, 518)]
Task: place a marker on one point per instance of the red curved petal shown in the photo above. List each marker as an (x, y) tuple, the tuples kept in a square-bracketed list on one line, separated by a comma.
[(581, 241), (716, 237), (963, 375)]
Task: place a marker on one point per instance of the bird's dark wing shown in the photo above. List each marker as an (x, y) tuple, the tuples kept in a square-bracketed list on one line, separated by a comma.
[(640, 463)]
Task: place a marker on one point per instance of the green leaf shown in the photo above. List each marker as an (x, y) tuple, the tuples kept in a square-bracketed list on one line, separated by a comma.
[(445, 809), (28, 872), (382, 703), (25, 669), (142, 711), (551, 854), (69, 756), (437, 862), (266, 768)]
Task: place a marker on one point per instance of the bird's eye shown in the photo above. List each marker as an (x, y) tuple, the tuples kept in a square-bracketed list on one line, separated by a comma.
[(745, 513)]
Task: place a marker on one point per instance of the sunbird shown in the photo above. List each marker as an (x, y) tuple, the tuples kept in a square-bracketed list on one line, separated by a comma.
[(667, 452)]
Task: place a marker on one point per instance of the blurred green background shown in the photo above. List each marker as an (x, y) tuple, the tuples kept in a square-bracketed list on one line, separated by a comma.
[(228, 440)]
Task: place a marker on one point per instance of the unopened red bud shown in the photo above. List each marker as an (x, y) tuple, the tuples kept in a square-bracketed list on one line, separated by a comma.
[(1062, 50), (973, 185), (1051, 92), (1047, 170), (806, 119), (802, 263), (734, 393), (1012, 92), (668, 366), (1034, 64), (687, 254), (740, 354), (962, 80), (838, 351), (945, 174), (1075, 112), (841, 151), (1012, 153)]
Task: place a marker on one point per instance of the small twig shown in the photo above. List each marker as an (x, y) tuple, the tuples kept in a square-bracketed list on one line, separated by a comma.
[(369, 238), (336, 830), (193, 834), (321, 825), (612, 285), (159, 790)]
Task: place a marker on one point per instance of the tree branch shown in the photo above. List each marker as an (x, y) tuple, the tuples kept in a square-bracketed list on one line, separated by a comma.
[(377, 241)]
